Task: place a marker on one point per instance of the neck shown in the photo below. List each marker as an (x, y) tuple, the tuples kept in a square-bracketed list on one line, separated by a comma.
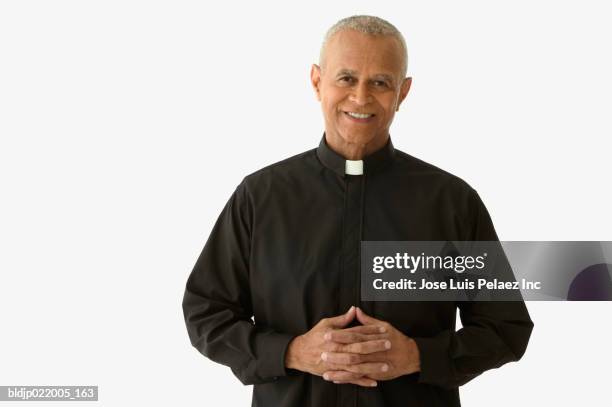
[(354, 150)]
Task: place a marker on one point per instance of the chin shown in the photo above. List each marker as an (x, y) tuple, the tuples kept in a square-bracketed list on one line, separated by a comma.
[(357, 138)]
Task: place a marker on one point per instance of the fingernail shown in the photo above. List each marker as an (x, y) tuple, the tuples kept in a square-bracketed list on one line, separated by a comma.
[(382, 329), (325, 376), (327, 336), (373, 384), (337, 382), (324, 355), (384, 368), (350, 309), (387, 344)]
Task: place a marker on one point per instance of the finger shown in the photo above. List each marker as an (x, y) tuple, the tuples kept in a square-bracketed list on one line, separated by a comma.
[(368, 368), (341, 320), (366, 329), (344, 336), (379, 345), (366, 319), (359, 382), (343, 377), (337, 358)]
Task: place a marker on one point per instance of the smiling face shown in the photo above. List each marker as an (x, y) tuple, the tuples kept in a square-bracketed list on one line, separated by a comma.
[(360, 86)]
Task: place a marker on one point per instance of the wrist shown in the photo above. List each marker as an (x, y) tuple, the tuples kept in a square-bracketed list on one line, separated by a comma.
[(291, 357), (413, 362)]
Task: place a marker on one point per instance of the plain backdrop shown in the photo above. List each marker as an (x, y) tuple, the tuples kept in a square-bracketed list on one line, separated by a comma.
[(126, 125)]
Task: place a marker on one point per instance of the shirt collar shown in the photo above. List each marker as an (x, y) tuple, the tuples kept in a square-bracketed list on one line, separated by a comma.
[(371, 163)]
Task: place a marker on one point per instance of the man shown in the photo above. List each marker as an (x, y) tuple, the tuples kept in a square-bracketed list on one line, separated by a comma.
[(285, 251)]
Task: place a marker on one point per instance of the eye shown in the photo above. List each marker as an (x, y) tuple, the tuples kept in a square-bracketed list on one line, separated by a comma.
[(380, 83), (347, 79)]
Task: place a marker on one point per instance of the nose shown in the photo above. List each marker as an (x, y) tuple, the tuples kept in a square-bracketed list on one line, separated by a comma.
[(360, 94)]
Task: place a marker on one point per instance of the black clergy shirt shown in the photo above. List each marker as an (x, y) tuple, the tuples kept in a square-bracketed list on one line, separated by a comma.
[(284, 253)]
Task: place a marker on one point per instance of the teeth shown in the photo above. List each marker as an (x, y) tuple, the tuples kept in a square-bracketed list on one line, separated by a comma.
[(359, 115)]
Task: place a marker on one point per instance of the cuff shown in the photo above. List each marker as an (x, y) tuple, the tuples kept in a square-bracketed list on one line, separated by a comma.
[(436, 368), (272, 355)]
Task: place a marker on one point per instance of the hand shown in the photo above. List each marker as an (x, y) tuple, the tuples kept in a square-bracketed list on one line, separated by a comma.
[(304, 351), (400, 359)]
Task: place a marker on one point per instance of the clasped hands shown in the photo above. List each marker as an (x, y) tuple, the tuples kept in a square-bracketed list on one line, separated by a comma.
[(361, 355)]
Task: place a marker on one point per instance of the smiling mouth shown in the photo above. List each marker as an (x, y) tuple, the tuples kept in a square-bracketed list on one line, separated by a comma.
[(359, 116)]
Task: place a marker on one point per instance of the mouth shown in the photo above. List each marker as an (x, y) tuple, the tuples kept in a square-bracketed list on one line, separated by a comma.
[(359, 117)]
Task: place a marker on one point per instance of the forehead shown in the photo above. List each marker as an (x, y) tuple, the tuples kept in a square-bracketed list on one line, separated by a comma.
[(359, 52)]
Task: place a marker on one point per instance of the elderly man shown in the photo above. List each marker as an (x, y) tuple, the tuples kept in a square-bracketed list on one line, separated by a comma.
[(269, 294)]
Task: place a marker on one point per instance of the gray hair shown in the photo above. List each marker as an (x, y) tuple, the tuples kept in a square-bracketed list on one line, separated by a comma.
[(368, 25)]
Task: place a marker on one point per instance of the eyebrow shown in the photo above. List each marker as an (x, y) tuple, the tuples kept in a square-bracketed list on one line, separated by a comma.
[(346, 72), (351, 72)]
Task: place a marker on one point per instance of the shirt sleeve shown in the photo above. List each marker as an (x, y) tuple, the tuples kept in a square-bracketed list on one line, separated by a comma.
[(493, 333), (217, 302)]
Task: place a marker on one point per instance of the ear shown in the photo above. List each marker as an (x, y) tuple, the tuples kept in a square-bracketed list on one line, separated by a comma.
[(405, 87), (315, 79)]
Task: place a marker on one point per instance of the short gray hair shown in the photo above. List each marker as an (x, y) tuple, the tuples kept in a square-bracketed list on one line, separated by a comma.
[(370, 25)]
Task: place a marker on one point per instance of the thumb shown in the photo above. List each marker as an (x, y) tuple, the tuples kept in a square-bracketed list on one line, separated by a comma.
[(365, 319), (342, 320)]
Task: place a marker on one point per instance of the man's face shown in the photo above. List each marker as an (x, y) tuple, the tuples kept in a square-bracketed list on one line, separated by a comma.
[(361, 74)]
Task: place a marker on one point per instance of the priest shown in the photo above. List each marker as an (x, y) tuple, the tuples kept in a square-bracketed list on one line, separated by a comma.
[(275, 293)]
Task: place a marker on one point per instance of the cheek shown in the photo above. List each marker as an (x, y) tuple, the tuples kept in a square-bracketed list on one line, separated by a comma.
[(332, 109), (334, 98), (389, 106)]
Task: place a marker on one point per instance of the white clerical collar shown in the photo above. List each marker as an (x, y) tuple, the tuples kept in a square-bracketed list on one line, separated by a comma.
[(353, 167)]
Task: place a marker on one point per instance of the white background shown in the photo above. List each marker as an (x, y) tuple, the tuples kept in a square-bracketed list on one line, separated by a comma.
[(126, 125)]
